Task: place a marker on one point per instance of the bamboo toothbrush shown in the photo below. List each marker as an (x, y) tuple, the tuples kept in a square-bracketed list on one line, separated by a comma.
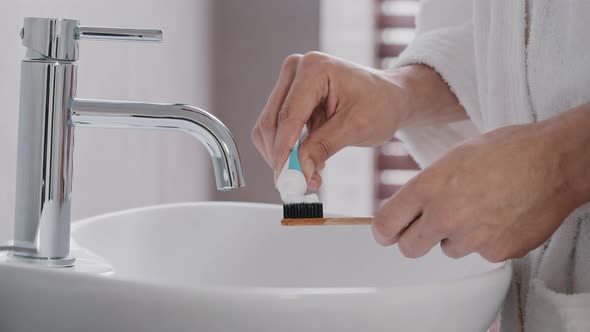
[(301, 209), (325, 221)]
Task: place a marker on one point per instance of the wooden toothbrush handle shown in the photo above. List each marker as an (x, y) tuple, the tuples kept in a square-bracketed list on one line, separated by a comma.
[(326, 221)]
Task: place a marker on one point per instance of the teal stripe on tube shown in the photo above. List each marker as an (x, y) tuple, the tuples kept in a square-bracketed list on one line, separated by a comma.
[(294, 158)]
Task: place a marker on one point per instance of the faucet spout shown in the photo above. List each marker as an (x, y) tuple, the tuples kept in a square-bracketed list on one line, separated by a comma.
[(177, 117)]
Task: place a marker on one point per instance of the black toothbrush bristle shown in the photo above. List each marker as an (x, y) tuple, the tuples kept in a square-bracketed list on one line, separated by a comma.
[(303, 210)]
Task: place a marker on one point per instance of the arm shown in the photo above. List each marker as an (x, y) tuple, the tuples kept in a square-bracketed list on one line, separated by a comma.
[(344, 104)]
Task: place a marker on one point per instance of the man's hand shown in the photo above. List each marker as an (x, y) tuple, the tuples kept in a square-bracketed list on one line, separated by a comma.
[(343, 104), (500, 195)]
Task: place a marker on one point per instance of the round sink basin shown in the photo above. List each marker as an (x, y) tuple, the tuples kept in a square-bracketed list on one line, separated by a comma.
[(216, 266)]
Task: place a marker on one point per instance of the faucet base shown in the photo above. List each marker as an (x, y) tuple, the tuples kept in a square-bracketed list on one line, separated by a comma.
[(67, 261)]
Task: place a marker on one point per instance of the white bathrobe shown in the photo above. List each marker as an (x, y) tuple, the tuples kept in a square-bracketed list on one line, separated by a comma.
[(512, 62)]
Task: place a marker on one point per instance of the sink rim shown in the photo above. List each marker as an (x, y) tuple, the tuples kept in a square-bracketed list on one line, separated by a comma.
[(263, 292), (503, 269)]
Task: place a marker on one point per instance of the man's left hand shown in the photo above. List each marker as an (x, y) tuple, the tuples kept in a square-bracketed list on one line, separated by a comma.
[(500, 195)]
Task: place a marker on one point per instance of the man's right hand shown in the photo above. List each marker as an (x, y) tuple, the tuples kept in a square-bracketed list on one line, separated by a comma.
[(343, 104)]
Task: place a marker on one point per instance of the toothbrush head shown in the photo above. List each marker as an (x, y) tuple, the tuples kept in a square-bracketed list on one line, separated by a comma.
[(303, 210)]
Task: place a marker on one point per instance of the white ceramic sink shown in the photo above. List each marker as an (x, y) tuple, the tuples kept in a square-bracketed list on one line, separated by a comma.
[(232, 267)]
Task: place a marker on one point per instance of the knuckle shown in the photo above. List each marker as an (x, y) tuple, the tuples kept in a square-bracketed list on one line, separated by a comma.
[(255, 135), (497, 251), (452, 254), (455, 254), (381, 233), (324, 148), (291, 62), (380, 225), (362, 124), (450, 249), (494, 256), (382, 241), (406, 247), (287, 114), (267, 121), (312, 59), (419, 254), (384, 224), (284, 114)]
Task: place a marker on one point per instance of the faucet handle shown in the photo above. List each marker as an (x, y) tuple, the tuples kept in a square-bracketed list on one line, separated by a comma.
[(122, 34), (58, 39)]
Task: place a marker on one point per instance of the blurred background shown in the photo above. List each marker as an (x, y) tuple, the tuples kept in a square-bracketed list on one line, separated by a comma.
[(223, 56)]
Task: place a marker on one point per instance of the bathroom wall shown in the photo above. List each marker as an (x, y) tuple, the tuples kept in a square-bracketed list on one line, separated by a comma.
[(117, 169), (251, 40)]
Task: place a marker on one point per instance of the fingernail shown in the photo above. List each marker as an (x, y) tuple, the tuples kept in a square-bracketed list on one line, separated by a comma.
[(308, 167)]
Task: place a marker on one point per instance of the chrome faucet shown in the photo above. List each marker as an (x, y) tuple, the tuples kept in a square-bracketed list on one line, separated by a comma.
[(49, 112)]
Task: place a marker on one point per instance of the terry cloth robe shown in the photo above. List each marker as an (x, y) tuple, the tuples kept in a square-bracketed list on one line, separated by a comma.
[(512, 62)]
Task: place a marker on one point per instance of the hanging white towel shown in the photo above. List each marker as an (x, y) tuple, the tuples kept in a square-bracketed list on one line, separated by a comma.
[(509, 65)]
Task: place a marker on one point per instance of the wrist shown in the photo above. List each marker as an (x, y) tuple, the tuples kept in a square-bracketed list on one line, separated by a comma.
[(400, 82), (427, 99)]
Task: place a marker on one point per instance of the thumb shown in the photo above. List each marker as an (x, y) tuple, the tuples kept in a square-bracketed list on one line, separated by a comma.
[(321, 144)]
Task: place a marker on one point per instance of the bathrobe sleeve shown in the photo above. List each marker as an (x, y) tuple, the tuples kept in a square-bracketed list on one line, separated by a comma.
[(444, 41)]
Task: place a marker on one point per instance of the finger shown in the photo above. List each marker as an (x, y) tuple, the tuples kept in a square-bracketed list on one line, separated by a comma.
[(317, 119), (316, 181), (453, 248), (323, 143), (267, 121), (320, 167), (395, 214), (418, 238), (259, 144), (308, 89)]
